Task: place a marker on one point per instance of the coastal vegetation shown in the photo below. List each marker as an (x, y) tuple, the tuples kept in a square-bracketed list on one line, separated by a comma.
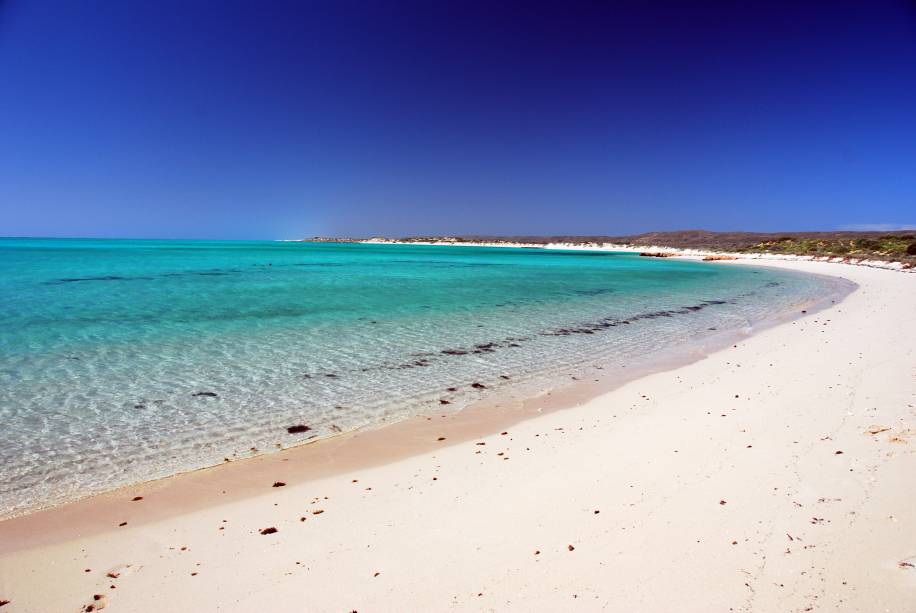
[(885, 246)]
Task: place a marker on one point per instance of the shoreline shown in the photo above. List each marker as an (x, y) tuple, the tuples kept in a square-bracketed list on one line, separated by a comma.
[(479, 417), (29, 544), (676, 252)]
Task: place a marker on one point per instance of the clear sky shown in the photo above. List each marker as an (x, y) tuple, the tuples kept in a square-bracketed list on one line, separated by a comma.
[(281, 120)]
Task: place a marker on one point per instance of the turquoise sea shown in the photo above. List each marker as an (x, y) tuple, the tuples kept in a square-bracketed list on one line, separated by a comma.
[(127, 360)]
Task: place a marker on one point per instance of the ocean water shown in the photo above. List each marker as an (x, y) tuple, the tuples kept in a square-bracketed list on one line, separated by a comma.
[(123, 360)]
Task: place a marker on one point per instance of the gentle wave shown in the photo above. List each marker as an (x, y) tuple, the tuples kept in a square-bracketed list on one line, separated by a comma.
[(123, 361)]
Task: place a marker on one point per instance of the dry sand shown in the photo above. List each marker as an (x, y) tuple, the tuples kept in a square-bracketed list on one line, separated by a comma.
[(775, 475)]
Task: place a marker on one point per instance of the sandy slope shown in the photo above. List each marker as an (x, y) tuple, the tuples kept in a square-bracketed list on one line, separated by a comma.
[(743, 482)]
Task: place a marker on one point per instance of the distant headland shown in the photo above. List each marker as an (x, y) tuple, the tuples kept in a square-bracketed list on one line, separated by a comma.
[(897, 247)]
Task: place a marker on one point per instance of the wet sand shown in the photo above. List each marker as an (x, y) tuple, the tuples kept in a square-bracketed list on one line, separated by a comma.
[(716, 484)]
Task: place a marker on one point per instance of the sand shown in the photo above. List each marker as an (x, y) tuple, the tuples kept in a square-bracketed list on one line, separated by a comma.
[(774, 475)]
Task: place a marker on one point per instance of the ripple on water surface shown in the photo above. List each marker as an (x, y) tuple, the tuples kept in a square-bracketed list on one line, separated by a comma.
[(123, 361)]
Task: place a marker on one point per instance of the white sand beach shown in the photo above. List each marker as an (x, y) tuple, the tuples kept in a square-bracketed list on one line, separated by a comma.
[(775, 475)]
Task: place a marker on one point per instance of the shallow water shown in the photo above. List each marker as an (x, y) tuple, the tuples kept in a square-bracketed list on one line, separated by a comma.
[(122, 361)]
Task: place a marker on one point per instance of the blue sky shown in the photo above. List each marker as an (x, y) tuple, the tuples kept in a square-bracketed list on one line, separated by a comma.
[(279, 120)]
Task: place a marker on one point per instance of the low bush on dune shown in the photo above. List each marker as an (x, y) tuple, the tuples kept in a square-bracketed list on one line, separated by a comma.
[(888, 246)]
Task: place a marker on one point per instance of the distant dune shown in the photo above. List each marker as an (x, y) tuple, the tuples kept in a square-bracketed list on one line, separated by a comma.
[(886, 246)]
